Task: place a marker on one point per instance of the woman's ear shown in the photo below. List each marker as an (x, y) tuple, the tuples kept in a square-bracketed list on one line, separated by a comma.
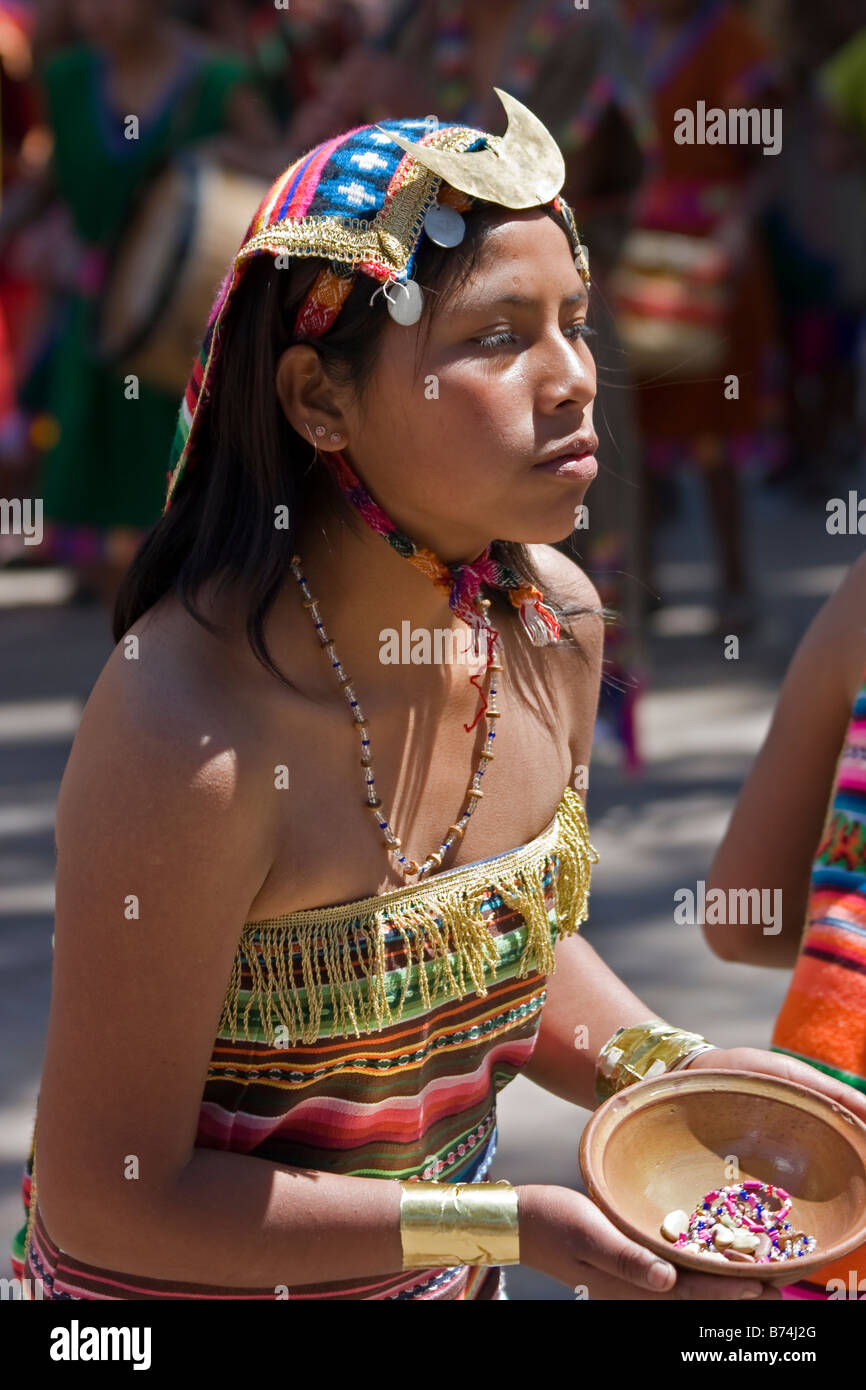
[(309, 400)]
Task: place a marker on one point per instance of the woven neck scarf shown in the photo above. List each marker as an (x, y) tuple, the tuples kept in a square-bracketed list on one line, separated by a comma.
[(461, 582)]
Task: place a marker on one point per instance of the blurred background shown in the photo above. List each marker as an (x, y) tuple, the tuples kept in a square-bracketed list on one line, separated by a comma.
[(729, 305)]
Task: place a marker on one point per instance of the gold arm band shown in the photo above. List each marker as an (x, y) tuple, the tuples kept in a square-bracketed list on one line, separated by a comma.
[(468, 1223), (642, 1051)]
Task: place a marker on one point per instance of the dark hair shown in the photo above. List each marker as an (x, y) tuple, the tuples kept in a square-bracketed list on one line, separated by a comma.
[(250, 460)]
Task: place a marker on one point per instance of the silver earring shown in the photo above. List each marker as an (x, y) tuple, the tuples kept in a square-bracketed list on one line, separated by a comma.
[(335, 436), (320, 430)]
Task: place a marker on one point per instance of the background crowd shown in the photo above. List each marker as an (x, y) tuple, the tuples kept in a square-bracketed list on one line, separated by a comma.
[(137, 137)]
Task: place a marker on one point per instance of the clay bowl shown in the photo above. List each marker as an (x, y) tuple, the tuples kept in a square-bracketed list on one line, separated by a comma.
[(663, 1144)]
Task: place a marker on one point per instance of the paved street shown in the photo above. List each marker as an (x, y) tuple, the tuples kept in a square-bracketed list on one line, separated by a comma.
[(701, 724)]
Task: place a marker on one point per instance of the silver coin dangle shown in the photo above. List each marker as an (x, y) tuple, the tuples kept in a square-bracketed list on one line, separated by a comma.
[(444, 225), (408, 303)]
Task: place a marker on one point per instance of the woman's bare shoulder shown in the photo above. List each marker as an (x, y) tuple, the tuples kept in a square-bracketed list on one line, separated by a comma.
[(163, 676), (167, 711), (564, 575), (566, 583)]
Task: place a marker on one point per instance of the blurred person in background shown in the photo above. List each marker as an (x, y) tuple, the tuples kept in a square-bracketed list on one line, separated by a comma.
[(292, 51), (579, 71), (819, 262), (19, 292), (842, 84), (709, 51), (799, 827), (103, 480)]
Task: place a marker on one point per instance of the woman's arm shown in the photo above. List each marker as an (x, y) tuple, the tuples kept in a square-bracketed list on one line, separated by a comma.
[(163, 839), (586, 1003), (776, 823), (583, 993)]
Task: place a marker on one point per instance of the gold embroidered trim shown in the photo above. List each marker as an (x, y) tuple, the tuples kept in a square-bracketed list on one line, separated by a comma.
[(389, 238), (439, 920)]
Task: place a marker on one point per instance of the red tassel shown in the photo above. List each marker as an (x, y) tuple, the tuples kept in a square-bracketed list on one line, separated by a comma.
[(493, 638)]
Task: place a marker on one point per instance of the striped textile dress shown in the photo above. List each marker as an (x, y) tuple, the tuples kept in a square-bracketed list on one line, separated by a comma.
[(823, 1017), (371, 1039)]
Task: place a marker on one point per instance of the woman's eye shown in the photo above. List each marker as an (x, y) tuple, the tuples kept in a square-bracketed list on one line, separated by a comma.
[(580, 330), (495, 339)]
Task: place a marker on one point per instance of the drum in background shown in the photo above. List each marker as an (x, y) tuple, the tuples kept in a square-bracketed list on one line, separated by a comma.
[(168, 266)]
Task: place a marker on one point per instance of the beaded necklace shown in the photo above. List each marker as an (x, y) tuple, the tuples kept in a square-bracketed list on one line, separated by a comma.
[(393, 844), (462, 583)]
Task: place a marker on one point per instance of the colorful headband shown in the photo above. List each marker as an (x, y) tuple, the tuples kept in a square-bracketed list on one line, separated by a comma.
[(363, 200)]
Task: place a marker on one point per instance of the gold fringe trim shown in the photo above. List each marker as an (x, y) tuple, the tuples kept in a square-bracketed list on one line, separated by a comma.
[(456, 945)]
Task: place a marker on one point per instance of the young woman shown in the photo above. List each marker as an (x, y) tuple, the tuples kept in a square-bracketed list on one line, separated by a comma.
[(245, 1093), (808, 783)]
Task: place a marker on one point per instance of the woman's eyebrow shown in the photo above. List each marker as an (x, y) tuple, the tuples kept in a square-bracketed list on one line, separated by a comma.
[(579, 297)]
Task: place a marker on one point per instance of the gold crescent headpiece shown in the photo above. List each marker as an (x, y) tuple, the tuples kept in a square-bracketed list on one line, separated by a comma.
[(520, 169)]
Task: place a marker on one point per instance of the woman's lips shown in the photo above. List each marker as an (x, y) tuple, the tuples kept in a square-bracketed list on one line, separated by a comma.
[(583, 466)]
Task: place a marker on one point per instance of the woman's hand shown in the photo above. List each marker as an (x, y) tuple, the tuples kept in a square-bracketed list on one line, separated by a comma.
[(788, 1068), (565, 1235)]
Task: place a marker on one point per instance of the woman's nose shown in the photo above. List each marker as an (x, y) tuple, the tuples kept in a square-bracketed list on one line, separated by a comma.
[(568, 370)]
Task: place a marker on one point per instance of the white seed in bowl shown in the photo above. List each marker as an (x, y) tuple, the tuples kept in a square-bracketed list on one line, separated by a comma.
[(674, 1225)]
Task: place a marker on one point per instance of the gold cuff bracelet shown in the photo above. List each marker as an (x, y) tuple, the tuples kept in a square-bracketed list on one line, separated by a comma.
[(468, 1223), (642, 1051)]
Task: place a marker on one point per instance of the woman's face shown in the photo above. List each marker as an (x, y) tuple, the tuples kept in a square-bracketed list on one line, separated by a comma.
[(451, 450)]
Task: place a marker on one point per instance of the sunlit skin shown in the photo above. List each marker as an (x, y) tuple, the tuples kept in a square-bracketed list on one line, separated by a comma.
[(457, 471)]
